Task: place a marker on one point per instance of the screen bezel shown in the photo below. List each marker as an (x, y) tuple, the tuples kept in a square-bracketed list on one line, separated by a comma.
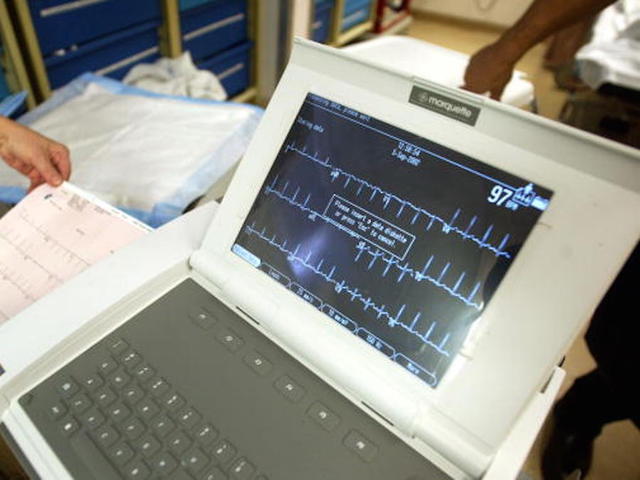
[(503, 362)]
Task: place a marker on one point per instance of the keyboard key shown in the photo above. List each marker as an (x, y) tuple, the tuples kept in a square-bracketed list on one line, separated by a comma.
[(164, 463), (57, 410), (137, 470), (224, 452), (105, 397), (289, 389), (80, 403), (69, 426), (205, 434), (68, 387), (121, 453), (242, 469), (89, 451), (173, 401), (188, 417), (92, 382), (195, 460), (144, 373), (214, 473), (106, 436), (163, 426), (148, 445), (159, 386), (258, 363), (323, 416), (118, 412), (133, 394), (147, 409), (93, 418), (133, 428), (119, 379), (107, 366), (178, 442), (202, 318), (117, 345), (130, 360), (362, 446), (231, 340)]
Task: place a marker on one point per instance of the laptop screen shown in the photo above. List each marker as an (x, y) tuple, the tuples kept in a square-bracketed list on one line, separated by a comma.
[(400, 240)]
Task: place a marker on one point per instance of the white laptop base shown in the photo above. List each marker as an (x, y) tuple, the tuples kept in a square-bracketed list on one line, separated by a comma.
[(462, 419)]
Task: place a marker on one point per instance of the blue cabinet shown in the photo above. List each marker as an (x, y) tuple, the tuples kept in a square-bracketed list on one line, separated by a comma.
[(103, 36), (321, 26), (216, 33), (4, 88), (232, 67), (62, 23), (214, 27), (355, 12), (112, 55), (187, 4)]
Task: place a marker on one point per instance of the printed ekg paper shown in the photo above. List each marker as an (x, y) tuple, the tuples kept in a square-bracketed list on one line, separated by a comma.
[(52, 235)]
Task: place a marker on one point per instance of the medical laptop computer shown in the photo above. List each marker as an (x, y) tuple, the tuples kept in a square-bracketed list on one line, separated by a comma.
[(393, 274)]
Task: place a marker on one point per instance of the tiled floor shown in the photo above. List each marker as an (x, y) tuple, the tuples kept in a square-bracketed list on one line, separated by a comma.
[(617, 450)]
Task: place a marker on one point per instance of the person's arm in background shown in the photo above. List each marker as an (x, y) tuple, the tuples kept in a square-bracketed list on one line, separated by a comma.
[(490, 68), (35, 156)]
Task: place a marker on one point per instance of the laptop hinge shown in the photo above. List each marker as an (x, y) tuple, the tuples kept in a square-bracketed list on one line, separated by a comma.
[(212, 267), (234, 288)]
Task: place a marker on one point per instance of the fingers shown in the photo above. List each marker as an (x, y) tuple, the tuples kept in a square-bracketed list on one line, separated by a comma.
[(18, 165), (45, 168), (60, 159), (35, 179)]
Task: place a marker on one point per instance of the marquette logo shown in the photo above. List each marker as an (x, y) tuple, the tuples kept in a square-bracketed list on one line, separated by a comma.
[(446, 106)]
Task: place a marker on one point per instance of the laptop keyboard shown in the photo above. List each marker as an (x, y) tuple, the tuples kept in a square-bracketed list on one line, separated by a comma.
[(142, 425), (187, 390)]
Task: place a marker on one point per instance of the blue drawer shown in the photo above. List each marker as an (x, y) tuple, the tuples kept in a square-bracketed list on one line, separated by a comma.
[(233, 68), (187, 4), (355, 12), (214, 28), (112, 55), (321, 26), (4, 88), (61, 23)]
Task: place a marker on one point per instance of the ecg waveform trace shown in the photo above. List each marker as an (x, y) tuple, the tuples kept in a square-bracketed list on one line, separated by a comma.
[(340, 286), (400, 240), (418, 275), (447, 226)]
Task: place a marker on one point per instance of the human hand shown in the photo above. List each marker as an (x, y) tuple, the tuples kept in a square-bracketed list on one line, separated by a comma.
[(489, 70), (35, 156)]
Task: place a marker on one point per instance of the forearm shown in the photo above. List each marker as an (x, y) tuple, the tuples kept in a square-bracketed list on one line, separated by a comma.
[(543, 18)]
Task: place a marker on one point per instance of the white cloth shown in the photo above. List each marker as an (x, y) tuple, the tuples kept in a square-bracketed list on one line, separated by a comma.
[(176, 76), (151, 156), (613, 54)]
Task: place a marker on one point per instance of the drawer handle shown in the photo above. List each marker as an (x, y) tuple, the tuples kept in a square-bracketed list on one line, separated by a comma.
[(230, 71), (67, 7), (355, 15), (126, 61), (213, 26)]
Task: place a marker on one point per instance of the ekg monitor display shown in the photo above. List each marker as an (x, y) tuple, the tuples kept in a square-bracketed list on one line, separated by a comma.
[(398, 239)]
